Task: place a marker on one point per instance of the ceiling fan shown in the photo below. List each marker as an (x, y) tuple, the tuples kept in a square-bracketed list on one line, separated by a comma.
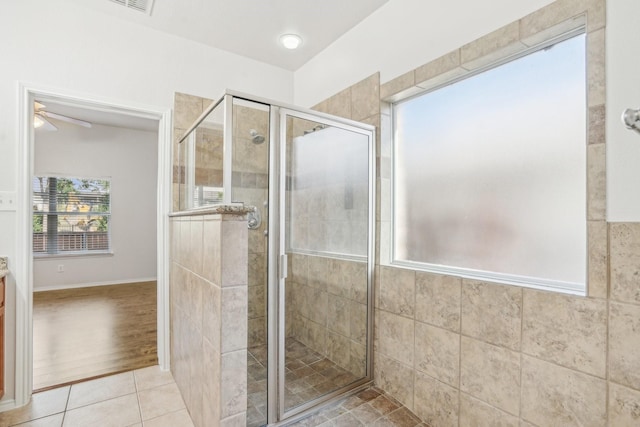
[(41, 118)]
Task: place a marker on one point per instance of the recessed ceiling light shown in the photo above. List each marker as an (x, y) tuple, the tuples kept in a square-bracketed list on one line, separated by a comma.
[(291, 41)]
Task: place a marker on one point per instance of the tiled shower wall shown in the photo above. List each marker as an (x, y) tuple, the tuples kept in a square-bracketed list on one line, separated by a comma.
[(186, 109), (208, 301), (327, 311), (250, 185), (464, 352)]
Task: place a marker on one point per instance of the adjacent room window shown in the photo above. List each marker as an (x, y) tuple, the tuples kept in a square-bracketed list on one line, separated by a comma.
[(70, 215), (490, 173)]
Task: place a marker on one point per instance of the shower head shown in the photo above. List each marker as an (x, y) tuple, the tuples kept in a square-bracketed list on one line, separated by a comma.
[(256, 138)]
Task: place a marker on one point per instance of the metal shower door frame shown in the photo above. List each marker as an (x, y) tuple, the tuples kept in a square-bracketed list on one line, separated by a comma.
[(278, 260)]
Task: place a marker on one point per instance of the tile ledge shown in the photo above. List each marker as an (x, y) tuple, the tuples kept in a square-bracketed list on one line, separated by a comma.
[(215, 209)]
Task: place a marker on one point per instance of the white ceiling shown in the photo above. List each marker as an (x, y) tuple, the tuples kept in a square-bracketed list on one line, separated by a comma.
[(251, 28)]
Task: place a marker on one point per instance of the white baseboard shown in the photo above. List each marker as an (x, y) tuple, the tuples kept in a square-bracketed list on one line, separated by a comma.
[(88, 285), (7, 405)]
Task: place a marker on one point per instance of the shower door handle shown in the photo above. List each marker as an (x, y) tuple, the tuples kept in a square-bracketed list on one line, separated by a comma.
[(283, 266)]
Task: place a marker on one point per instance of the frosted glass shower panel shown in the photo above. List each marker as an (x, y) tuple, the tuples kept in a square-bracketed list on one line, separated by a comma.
[(328, 189), (201, 154)]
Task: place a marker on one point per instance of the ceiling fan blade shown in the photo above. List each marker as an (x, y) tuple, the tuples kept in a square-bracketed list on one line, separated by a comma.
[(66, 119), (41, 122)]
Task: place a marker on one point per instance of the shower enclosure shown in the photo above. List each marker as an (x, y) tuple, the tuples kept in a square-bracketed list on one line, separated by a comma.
[(309, 178)]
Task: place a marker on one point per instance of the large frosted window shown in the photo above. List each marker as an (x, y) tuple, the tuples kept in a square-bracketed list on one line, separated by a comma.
[(489, 172)]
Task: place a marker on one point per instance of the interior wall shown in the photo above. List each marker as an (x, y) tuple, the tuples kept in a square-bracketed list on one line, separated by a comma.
[(63, 46), (129, 158)]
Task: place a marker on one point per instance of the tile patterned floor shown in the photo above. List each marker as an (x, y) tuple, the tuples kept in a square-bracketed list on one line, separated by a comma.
[(145, 397), (371, 407), (150, 398), (308, 375)]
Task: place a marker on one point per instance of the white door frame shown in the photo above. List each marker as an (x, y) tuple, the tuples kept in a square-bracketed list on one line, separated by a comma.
[(24, 250)]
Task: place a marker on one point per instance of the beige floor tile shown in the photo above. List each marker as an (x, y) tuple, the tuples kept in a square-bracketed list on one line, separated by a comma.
[(51, 421), (89, 392), (173, 419), (160, 401), (151, 377), (42, 404), (118, 412)]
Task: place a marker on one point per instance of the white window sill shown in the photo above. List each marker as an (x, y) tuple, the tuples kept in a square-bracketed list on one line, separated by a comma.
[(37, 257)]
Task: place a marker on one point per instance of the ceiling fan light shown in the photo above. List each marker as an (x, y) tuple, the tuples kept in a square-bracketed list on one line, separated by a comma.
[(37, 121), (291, 41)]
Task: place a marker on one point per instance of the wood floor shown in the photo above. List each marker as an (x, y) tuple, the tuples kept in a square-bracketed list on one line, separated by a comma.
[(91, 332)]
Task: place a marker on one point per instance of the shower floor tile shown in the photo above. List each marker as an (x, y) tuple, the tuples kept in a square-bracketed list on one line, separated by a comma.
[(309, 375)]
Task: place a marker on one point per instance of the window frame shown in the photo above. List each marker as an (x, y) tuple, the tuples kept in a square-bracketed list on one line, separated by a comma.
[(75, 253), (473, 274)]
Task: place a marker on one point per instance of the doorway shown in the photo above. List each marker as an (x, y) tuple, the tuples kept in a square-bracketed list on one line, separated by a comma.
[(26, 272)]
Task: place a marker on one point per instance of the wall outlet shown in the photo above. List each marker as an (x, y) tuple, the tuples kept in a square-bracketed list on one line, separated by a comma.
[(8, 201), (60, 268)]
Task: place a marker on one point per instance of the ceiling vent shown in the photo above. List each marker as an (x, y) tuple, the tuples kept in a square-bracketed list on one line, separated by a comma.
[(144, 6)]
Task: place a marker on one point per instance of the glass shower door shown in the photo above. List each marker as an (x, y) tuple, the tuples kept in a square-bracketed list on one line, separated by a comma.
[(326, 201)]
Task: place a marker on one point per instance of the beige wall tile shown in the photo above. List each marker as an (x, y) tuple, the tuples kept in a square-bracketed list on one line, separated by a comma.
[(437, 353), (318, 270), (234, 253), (597, 277), (435, 403), (596, 123), (400, 84), (186, 109), (597, 12), (567, 330), (211, 315), (492, 47), (339, 349), (490, 373), (397, 290), (624, 342), (233, 383), (338, 105), (338, 315), (442, 65), (211, 252), (557, 396), (194, 256), (358, 322), (396, 337), (365, 98), (596, 182), (234, 319), (211, 384), (550, 16), (438, 300), (238, 420), (474, 412), (596, 68), (492, 313), (624, 406), (625, 261), (395, 379)]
